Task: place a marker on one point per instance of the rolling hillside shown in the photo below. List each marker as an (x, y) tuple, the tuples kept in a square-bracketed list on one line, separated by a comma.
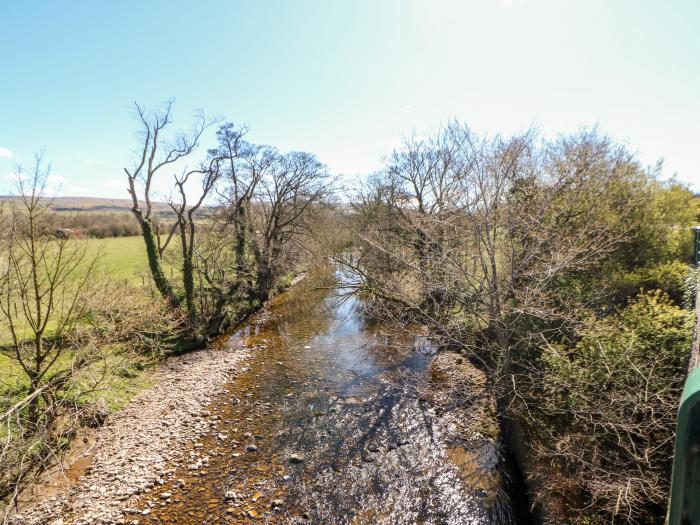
[(92, 204)]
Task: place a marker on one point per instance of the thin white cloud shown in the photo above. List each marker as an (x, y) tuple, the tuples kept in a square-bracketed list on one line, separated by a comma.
[(5, 153), (114, 184), (55, 179), (14, 177), (77, 190)]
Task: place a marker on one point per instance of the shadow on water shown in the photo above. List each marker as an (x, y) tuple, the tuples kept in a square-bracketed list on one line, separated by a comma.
[(326, 425)]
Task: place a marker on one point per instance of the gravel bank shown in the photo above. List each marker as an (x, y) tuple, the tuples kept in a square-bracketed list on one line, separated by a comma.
[(137, 447)]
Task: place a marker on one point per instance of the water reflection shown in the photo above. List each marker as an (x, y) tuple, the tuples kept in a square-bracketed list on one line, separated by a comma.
[(326, 426)]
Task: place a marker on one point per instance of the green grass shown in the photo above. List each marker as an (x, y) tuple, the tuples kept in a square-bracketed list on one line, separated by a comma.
[(116, 389), (125, 258), (121, 259)]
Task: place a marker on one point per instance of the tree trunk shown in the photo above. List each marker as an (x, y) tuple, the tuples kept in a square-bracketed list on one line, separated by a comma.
[(188, 282), (240, 251), (241, 242), (154, 262), (33, 407), (264, 284)]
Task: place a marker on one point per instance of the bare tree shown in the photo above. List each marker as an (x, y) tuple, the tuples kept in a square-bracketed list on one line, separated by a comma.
[(482, 232), (41, 284), (43, 281), (267, 201), (505, 247), (243, 165), (156, 153), (209, 173), (291, 189)]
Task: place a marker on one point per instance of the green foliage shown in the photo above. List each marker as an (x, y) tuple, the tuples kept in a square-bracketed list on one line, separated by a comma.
[(692, 280), (283, 282), (659, 227), (609, 405), (652, 224), (671, 277), (606, 395), (650, 332)]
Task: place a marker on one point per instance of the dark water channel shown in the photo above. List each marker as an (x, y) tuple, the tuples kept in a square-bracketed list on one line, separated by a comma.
[(325, 425)]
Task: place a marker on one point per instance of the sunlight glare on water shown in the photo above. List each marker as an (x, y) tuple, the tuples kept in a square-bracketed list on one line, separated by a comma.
[(340, 434)]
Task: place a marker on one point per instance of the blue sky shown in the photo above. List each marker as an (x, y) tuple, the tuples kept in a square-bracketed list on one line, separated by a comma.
[(343, 79)]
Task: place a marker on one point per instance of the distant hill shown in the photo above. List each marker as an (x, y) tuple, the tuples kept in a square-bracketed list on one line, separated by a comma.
[(91, 204)]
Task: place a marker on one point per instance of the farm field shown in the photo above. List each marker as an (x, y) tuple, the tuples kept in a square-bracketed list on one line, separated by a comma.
[(125, 258), (121, 259)]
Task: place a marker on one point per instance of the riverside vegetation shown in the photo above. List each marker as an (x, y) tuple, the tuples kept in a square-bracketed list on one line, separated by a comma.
[(78, 327), (558, 268)]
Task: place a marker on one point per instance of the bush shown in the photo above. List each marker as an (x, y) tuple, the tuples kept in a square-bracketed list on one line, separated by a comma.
[(119, 313), (608, 408), (670, 277), (692, 280), (101, 225)]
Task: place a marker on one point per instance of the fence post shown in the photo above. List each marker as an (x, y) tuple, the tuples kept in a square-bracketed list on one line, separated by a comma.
[(684, 506)]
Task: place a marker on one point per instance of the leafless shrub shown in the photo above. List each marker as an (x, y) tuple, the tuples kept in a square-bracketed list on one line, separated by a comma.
[(61, 335), (43, 282)]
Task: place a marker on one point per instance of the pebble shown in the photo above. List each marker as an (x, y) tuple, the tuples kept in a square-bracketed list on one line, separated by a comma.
[(296, 458), (143, 444)]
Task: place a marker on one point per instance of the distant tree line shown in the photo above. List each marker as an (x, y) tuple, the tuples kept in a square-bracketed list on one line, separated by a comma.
[(99, 225)]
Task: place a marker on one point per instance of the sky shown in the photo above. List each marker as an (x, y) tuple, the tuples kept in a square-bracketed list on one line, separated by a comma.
[(342, 79)]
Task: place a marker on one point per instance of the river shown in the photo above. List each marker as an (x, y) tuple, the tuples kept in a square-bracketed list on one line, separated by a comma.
[(326, 424)]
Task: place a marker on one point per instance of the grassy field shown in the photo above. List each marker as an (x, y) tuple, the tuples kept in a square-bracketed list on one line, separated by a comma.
[(125, 258), (121, 259)]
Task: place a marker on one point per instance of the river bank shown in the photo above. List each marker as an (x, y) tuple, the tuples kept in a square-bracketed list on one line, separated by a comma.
[(307, 413), (336, 419), (133, 452)]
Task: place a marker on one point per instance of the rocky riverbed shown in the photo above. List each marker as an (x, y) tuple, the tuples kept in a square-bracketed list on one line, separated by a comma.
[(308, 413), (139, 448)]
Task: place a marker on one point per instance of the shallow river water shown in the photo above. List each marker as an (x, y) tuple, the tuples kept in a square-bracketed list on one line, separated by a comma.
[(324, 425)]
